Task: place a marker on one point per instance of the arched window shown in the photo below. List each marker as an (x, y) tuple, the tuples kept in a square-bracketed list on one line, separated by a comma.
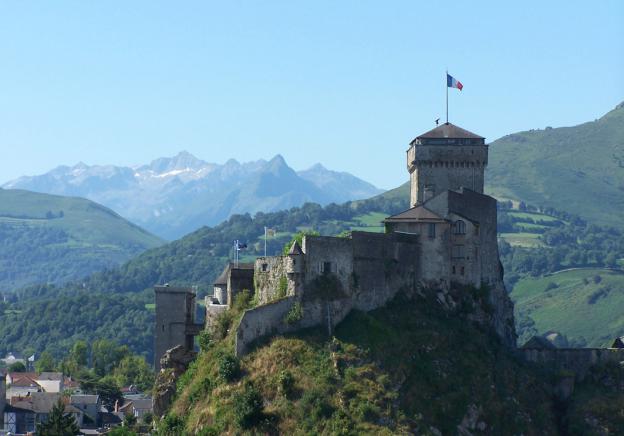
[(459, 228)]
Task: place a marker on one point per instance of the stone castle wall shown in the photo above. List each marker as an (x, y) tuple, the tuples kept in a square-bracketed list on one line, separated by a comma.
[(365, 272), (577, 360)]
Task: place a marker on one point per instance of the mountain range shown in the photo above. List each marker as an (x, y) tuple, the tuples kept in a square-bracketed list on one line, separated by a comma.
[(174, 196)]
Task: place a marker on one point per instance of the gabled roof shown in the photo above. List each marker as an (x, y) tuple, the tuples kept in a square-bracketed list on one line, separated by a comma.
[(24, 379), (449, 130), (417, 213), (618, 343), (295, 248), (538, 343)]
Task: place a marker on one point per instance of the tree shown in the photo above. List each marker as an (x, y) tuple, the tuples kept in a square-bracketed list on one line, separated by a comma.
[(58, 423), (17, 367), (134, 370), (106, 388), (107, 355), (45, 362), (79, 353)]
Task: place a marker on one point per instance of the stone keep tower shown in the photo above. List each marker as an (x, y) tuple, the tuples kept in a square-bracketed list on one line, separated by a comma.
[(175, 320), (447, 157)]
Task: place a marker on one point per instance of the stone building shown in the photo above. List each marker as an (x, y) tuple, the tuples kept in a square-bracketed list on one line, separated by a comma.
[(446, 239), (175, 320), (233, 279)]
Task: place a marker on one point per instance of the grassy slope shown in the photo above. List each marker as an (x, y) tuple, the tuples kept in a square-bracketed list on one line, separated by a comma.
[(85, 238), (578, 307), (576, 169), (88, 223), (401, 369)]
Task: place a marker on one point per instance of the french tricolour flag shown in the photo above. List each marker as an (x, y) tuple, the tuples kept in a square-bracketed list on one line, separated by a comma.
[(451, 82)]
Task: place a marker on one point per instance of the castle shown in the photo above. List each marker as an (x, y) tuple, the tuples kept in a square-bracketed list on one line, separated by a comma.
[(447, 238)]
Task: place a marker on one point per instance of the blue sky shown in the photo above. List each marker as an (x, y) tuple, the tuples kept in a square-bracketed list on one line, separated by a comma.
[(346, 83)]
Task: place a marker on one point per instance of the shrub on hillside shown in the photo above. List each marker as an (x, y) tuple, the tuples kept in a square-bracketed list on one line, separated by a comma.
[(229, 367), (248, 407)]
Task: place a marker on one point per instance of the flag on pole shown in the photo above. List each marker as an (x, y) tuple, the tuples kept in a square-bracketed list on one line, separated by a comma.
[(270, 232), (240, 245), (452, 82)]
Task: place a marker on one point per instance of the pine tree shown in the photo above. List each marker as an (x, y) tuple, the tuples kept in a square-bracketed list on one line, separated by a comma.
[(58, 424)]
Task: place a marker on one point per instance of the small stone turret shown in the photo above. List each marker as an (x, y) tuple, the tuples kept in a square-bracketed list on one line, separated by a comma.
[(445, 158), (295, 259)]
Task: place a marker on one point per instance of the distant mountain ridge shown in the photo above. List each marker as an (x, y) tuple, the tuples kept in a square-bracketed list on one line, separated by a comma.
[(174, 196)]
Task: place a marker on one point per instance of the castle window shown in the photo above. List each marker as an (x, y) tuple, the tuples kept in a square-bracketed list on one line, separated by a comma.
[(459, 227), (265, 267), (453, 269), (462, 271), (432, 230), (325, 267)]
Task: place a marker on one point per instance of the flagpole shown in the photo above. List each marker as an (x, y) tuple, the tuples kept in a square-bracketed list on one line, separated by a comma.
[(265, 238), (446, 79)]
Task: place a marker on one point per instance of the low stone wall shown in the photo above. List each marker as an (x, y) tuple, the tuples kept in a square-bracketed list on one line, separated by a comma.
[(577, 360), (270, 319)]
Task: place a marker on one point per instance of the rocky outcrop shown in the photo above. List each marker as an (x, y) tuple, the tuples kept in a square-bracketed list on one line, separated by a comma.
[(173, 364)]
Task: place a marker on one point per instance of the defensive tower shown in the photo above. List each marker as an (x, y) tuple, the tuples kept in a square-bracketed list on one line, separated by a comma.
[(445, 158)]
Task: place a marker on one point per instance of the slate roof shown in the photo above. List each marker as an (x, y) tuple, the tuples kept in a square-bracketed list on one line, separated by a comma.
[(618, 343), (84, 399), (223, 277), (417, 213), (538, 343), (295, 248), (449, 130)]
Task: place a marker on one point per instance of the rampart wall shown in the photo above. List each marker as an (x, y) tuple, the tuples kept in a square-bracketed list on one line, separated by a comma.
[(577, 360), (362, 272)]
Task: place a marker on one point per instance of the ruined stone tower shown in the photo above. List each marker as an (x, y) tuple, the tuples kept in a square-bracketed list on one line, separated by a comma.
[(175, 320), (445, 158)]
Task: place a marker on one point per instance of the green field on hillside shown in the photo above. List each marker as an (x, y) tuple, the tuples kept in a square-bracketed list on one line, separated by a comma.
[(586, 305), (524, 239), (574, 169), (52, 239)]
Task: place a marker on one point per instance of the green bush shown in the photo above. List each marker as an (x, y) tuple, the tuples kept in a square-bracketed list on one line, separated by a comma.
[(242, 300), (286, 382), (229, 367), (205, 340), (282, 288), (248, 407), (222, 324), (170, 425), (316, 405), (294, 315)]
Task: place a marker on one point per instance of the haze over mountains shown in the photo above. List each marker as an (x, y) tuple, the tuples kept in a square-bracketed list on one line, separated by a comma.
[(174, 196)]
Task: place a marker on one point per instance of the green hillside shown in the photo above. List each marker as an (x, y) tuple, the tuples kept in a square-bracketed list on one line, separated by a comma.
[(52, 239), (586, 305), (577, 169), (408, 368)]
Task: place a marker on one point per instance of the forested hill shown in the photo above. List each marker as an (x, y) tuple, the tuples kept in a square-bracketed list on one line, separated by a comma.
[(52, 239), (577, 169)]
